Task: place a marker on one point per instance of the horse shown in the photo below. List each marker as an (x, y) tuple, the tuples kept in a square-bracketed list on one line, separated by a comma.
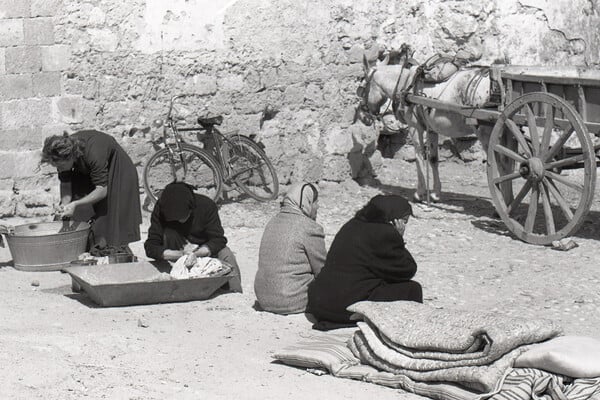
[(467, 87)]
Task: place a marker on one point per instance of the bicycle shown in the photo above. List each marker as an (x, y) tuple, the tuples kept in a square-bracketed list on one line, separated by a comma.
[(224, 161)]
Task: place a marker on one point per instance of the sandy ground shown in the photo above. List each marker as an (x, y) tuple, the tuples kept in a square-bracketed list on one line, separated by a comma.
[(60, 345)]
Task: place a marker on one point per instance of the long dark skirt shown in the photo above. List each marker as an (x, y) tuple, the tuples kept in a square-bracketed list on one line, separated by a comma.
[(117, 217), (339, 316)]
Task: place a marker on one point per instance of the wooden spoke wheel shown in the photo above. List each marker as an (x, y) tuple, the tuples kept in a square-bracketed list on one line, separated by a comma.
[(540, 151)]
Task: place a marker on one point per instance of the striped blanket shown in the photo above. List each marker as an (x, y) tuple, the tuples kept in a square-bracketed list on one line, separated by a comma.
[(329, 352)]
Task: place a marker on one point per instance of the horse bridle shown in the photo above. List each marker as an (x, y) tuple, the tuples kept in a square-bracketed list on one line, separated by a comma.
[(362, 92)]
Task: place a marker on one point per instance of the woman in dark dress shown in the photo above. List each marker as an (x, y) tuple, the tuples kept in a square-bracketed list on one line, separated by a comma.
[(97, 181), (367, 261)]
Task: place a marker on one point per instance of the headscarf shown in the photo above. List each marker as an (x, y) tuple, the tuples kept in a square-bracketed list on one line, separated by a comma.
[(302, 196), (176, 201), (385, 208)]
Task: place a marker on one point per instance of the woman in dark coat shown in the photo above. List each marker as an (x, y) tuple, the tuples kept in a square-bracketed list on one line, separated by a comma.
[(184, 223), (97, 181), (367, 261)]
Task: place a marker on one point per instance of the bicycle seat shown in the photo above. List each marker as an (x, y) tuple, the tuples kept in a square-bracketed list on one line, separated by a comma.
[(210, 121)]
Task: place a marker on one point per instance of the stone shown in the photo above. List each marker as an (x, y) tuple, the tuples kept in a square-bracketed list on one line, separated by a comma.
[(11, 32), (338, 141), (34, 203), (25, 138), (46, 84), (336, 168), (38, 31), (14, 8), (7, 184), (7, 164), (67, 109), (22, 59), (103, 40), (27, 163), (25, 113), (15, 86), (55, 57), (45, 8), (2, 60), (204, 84), (7, 203)]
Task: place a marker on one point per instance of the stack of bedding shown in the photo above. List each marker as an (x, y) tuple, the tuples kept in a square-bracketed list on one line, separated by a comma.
[(455, 355), (470, 349)]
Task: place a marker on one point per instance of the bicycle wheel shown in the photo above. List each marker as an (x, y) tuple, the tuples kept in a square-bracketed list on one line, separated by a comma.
[(195, 167), (251, 169)]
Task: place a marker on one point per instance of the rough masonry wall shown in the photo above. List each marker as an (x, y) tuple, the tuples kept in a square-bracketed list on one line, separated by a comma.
[(113, 65)]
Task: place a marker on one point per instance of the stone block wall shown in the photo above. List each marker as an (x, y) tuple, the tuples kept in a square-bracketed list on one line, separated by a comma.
[(113, 65), (30, 83)]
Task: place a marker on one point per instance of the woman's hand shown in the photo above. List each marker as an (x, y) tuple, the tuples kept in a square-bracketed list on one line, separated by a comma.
[(67, 210), (400, 225), (190, 260), (202, 251), (189, 248)]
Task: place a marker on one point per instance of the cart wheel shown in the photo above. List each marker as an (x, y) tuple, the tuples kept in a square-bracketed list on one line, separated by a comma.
[(540, 152)]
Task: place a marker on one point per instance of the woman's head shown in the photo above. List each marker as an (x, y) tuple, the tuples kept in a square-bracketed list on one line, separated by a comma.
[(61, 151), (176, 202), (303, 196), (385, 209)]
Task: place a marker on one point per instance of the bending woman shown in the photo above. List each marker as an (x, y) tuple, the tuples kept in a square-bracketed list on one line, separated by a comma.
[(99, 181), (367, 261), (292, 252)]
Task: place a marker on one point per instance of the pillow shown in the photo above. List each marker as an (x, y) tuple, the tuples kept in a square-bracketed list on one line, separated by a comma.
[(574, 356)]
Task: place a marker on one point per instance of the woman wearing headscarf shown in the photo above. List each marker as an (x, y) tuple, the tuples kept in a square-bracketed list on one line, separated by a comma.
[(98, 181), (184, 222), (367, 261), (292, 252)]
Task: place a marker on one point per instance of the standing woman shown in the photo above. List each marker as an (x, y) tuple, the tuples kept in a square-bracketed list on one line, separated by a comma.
[(367, 261), (97, 180)]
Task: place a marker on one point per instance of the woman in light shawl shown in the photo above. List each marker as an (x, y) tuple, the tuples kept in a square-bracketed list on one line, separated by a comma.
[(367, 261), (292, 252)]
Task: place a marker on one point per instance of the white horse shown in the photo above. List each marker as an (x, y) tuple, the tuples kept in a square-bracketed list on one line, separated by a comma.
[(468, 87)]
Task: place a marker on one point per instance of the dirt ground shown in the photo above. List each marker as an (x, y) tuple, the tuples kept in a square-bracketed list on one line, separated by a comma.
[(60, 345)]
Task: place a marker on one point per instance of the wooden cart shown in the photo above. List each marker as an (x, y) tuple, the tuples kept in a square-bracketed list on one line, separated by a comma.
[(541, 149)]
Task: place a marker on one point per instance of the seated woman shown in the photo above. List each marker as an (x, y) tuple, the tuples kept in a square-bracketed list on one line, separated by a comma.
[(292, 252), (98, 181), (184, 222), (367, 261)]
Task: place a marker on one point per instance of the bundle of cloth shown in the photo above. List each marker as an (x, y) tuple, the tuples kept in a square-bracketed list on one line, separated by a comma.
[(455, 355), (202, 267), (428, 344)]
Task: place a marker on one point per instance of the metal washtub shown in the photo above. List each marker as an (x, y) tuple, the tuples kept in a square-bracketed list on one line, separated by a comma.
[(47, 246), (111, 285)]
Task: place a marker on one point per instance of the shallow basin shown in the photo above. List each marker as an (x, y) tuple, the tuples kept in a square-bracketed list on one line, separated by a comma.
[(140, 283)]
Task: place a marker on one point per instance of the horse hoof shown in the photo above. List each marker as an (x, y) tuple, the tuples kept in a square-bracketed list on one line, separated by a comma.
[(417, 198), (435, 198)]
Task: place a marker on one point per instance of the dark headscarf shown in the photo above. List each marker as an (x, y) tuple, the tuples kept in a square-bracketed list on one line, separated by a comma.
[(384, 208), (176, 201)]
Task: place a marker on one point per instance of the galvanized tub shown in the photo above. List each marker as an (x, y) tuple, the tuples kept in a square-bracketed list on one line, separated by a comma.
[(47, 246), (140, 282)]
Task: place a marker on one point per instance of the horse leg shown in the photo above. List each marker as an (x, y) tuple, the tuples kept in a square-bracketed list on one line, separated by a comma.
[(416, 136), (434, 162)]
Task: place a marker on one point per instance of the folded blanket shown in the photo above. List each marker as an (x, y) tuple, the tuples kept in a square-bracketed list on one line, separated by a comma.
[(480, 379), (424, 332), (428, 344)]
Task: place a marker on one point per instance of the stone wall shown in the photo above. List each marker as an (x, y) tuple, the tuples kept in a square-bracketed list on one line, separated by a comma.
[(113, 65)]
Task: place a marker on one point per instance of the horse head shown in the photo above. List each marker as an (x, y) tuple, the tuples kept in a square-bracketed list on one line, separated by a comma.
[(370, 94)]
